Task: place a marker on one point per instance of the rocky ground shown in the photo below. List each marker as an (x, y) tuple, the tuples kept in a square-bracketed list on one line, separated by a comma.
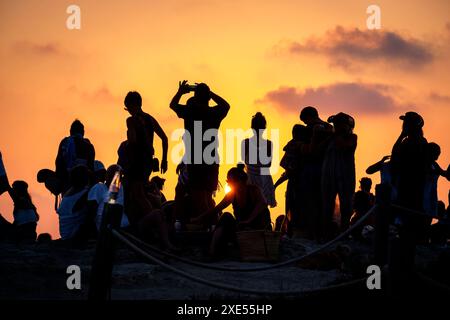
[(38, 271)]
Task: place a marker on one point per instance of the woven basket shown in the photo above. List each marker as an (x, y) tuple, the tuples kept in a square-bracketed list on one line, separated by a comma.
[(258, 245)]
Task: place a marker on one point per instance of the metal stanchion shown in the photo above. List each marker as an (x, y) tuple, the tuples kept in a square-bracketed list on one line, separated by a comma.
[(102, 265)]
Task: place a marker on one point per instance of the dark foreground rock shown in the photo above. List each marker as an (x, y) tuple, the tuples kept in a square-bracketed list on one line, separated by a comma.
[(39, 271)]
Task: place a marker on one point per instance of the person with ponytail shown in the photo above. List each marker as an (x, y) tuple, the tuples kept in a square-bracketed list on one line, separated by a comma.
[(257, 156), (250, 211)]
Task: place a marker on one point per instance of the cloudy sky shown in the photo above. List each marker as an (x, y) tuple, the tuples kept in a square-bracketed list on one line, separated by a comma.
[(272, 56)]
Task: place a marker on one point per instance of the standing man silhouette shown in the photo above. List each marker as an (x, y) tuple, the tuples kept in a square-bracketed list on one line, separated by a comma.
[(201, 157)]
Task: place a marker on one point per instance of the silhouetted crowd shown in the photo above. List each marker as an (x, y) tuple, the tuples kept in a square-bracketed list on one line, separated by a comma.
[(318, 163)]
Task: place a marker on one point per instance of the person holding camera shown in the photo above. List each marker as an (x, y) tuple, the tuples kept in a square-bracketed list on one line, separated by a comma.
[(201, 157)]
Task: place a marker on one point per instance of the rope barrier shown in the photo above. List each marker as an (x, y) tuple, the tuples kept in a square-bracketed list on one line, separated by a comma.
[(124, 237), (261, 268), (411, 211), (225, 286), (432, 282)]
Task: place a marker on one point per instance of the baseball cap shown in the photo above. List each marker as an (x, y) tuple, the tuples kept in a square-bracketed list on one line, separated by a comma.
[(413, 118), (342, 117)]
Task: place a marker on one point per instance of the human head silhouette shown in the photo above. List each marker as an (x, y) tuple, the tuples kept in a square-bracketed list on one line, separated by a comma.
[(77, 128), (412, 123), (308, 115), (365, 184), (343, 123), (159, 182), (99, 171), (20, 188), (202, 94), (434, 151), (259, 122), (79, 176), (20, 191), (236, 176), (133, 102), (301, 133)]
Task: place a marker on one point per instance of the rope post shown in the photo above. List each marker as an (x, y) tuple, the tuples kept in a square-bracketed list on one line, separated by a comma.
[(383, 202), (104, 254)]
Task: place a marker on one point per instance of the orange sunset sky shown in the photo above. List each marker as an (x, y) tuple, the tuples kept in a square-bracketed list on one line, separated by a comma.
[(274, 56)]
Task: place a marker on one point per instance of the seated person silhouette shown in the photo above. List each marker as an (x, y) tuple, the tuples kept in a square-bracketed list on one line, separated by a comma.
[(73, 210), (23, 228), (250, 211)]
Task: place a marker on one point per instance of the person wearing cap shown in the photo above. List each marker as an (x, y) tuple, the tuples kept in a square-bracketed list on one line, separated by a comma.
[(338, 172), (410, 163)]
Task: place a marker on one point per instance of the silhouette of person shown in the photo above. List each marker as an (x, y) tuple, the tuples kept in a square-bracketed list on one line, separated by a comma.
[(311, 181), (293, 161), (339, 177), (99, 172), (410, 161), (122, 154), (73, 210), (250, 211), (201, 157), (4, 183), (136, 154), (363, 200), (156, 187), (183, 200), (440, 231), (431, 180), (23, 228), (257, 156), (384, 167), (141, 129), (72, 151), (410, 164)]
